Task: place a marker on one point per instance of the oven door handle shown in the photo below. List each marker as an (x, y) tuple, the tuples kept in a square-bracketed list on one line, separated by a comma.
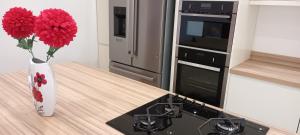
[(205, 15), (199, 66)]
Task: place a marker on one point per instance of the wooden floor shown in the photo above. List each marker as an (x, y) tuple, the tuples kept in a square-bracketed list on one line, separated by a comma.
[(86, 99)]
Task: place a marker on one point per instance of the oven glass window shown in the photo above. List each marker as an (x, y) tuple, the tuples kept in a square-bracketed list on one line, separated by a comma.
[(207, 33), (200, 84), (194, 28), (214, 30)]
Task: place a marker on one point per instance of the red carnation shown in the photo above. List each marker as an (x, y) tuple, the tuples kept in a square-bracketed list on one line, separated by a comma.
[(18, 22), (37, 95), (55, 27), (40, 79)]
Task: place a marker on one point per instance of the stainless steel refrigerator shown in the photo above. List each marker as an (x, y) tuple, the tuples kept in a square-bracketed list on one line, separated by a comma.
[(141, 39)]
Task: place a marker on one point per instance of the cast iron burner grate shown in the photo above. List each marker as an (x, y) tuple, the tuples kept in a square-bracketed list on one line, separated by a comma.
[(222, 126), (158, 117)]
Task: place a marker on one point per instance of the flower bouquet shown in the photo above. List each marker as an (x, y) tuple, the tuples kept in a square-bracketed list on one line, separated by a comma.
[(55, 28)]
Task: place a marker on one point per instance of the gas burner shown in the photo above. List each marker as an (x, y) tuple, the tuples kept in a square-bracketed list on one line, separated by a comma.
[(159, 117), (169, 110), (228, 126), (222, 126)]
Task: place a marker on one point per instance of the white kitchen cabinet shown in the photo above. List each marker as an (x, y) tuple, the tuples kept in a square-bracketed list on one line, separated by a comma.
[(270, 103), (298, 128), (103, 33), (275, 2), (104, 57), (103, 21)]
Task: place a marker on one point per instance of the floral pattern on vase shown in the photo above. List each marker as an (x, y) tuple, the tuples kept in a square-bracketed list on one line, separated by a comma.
[(39, 80)]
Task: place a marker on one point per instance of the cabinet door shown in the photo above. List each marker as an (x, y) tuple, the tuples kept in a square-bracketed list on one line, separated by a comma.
[(273, 104)]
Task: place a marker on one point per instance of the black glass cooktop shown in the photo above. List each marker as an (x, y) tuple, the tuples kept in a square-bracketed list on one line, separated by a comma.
[(174, 115)]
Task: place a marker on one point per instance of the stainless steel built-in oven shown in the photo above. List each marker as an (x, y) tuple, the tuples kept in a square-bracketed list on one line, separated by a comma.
[(204, 43), (200, 75), (207, 24)]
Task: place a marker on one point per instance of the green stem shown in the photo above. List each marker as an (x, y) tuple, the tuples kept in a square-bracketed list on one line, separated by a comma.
[(30, 51), (48, 58), (51, 52)]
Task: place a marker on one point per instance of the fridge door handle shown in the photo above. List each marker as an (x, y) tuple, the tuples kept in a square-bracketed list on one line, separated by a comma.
[(150, 79), (130, 26), (135, 28)]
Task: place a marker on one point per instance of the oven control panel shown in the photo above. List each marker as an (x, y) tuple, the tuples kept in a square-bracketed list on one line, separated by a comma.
[(202, 57), (209, 7)]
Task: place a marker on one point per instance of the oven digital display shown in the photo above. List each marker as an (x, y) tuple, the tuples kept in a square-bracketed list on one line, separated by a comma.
[(206, 5)]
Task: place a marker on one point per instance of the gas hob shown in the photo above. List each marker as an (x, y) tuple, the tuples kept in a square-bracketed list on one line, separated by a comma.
[(174, 115)]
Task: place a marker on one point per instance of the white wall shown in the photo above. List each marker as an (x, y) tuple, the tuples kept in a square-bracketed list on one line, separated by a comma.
[(278, 30), (83, 49)]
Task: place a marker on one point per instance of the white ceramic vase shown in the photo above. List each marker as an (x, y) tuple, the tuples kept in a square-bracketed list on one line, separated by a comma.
[(42, 84)]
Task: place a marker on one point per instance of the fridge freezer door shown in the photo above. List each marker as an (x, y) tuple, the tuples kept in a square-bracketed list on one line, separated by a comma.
[(149, 34), (144, 76), (121, 19)]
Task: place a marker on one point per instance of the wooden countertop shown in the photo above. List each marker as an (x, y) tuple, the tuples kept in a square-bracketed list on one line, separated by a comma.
[(86, 99), (274, 68)]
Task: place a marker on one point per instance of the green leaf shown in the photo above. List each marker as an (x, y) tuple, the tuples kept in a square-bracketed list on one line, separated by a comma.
[(22, 43), (51, 51), (29, 43)]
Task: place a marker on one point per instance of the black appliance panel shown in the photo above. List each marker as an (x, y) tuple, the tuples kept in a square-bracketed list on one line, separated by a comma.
[(208, 7), (205, 32), (198, 83), (193, 116), (120, 22), (202, 57)]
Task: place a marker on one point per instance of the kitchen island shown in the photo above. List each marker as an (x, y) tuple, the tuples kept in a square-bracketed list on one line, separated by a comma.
[(86, 99)]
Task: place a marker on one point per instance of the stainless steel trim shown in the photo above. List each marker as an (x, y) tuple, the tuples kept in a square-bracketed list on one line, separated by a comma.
[(201, 49), (151, 79), (224, 87), (175, 76), (178, 29), (204, 15), (231, 33), (135, 27), (199, 66)]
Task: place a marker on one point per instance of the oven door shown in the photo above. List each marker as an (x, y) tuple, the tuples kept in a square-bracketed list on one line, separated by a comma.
[(200, 82), (205, 31)]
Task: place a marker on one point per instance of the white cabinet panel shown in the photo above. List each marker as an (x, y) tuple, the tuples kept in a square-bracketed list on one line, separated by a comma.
[(270, 103), (103, 21), (298, 128), (103, 33), (104, 57), (275, 2)]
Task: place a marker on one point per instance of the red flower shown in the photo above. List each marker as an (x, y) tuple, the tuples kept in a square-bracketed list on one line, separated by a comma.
[(55, 27), (40, 79), (37, 95), (18, 22)]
